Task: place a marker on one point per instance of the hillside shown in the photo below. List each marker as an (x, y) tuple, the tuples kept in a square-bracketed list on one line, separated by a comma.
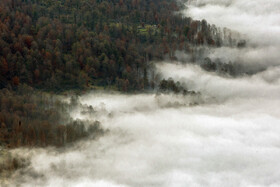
[(78, 44)]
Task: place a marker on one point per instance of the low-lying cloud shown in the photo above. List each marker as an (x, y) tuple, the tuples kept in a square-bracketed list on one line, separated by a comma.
[(258, 20), (234, 143), (232, 139), (264, 84)]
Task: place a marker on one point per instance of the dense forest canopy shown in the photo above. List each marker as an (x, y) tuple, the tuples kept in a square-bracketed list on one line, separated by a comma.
[(76, 44)]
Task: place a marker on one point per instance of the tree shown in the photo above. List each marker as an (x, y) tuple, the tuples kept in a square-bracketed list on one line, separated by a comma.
[(4, 67), (15, 81)]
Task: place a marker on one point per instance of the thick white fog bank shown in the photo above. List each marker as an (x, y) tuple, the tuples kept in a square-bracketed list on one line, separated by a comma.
[(259, 20), (229, 139), (262, 85), (235, 143)]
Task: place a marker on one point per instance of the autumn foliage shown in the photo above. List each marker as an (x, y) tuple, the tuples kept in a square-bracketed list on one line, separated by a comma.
[(30, 118), (80, 44)]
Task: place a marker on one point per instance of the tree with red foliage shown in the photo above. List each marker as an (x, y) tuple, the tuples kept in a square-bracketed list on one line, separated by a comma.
[(15, 81), (4, 67)]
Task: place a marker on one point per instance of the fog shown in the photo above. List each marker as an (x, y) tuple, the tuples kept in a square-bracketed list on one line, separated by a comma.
[(262, 85), (228, 135), (228, 143), (230, 139), (257, 20)]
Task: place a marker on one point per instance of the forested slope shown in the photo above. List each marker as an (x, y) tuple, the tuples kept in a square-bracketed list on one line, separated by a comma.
[(76, 44)]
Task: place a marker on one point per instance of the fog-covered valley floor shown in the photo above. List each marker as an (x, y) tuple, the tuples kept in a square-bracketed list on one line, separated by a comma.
[(231, 138), (228, 135)]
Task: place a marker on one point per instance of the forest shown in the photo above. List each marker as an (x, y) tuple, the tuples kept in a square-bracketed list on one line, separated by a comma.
[(30, 118), (87, 44)]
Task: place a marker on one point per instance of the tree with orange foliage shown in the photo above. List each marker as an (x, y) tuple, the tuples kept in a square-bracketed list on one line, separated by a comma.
[(15, 81), (28, 40), (4, 68)]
